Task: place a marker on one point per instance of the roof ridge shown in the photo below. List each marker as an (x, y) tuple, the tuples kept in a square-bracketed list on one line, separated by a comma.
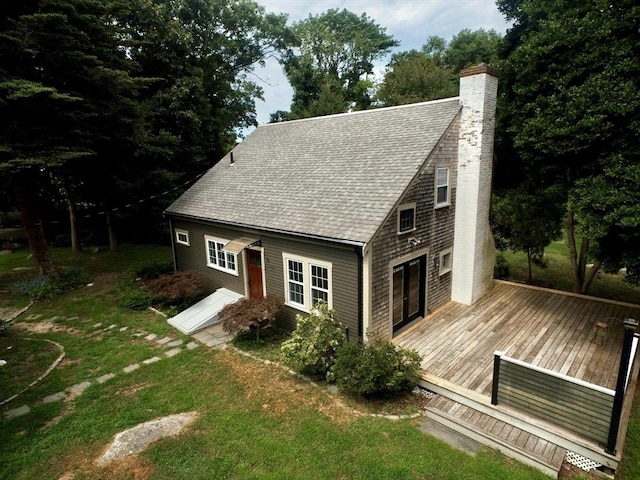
[(362, 112)]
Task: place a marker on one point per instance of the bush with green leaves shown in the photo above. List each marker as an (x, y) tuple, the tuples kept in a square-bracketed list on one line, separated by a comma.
[(133, 295), (38, 288), (377, 368), (312, 347), (154, 270)]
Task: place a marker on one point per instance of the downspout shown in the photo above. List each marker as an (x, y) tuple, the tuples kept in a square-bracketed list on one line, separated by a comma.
[(173, 246), (360, 253)]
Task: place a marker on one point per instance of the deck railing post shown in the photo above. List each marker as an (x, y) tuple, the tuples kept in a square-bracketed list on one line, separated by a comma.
[(496, 377), (616, 413)]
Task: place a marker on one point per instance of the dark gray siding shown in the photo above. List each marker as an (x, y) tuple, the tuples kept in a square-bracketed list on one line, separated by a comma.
[(434, 229), (343, 259)]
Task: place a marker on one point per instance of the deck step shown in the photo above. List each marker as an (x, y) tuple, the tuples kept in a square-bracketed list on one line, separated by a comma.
[(487, 430), (521, 420)]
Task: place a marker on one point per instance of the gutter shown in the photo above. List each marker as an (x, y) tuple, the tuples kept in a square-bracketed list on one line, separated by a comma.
[(266, 229)]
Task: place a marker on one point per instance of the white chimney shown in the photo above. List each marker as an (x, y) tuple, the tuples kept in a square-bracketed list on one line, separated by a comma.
[(473, 246)]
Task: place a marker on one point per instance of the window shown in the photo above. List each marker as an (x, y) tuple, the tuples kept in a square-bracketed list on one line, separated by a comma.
[(182, 237), (218, 258), (407, 218), (442, 187), (307, 281), (446, 261)]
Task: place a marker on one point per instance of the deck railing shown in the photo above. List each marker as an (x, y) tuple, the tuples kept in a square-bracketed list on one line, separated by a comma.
[(587, 409)]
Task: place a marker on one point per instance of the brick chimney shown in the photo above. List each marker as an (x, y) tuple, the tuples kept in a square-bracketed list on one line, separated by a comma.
[(473, 246)]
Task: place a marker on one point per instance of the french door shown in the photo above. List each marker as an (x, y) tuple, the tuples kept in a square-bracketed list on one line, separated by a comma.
[(408, 291)]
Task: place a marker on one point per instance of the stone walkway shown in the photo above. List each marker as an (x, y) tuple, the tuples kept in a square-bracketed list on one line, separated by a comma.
[(212, 336)]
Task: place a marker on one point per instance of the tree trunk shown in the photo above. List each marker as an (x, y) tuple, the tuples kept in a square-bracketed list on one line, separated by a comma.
[(73, 218), (581, 277), (33, 225), (530, 268), (113, 239)]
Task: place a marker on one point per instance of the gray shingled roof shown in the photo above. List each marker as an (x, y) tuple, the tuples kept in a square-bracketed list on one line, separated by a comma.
[(336, 176)]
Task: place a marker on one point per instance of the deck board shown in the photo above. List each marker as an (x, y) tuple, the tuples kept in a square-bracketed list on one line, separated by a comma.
[(549, 329)]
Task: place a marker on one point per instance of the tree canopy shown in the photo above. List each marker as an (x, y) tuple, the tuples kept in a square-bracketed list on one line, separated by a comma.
[(117, 99), (571, 117), (333, 55)]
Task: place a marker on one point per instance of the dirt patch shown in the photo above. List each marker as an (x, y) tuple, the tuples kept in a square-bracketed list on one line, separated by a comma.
[(279, 392), (130, 468), (46, 326)]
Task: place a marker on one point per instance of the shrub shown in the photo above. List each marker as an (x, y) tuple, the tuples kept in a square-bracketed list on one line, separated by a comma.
[(39, 288), (312, 347), (250, 314), (154, 270), (133, 295), (377, 368), (179, 288), (501, 268)]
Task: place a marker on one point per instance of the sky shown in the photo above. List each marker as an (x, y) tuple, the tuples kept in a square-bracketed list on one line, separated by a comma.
[(409, 21)]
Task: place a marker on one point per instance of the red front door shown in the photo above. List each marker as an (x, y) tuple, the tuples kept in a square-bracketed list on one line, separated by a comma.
[(254, 273)]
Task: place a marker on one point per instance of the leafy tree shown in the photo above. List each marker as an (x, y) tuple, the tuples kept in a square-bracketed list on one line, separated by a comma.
[(527, 222), (414, 77), (250, 314), (432, 73), (335, 53), (571, 118), (59, 82)]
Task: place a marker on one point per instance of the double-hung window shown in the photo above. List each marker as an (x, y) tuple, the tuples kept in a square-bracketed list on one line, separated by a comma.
[(443, 195), (307, 281), (218, 258)]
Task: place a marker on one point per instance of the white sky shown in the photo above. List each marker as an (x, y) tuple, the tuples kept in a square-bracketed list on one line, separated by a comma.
[(409, 21)]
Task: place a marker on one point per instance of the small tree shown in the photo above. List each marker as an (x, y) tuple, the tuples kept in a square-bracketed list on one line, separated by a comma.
[(250, 314), (312, 346)]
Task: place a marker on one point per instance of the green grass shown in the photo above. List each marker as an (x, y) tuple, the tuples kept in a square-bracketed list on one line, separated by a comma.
[(255, 420), (557, 275)]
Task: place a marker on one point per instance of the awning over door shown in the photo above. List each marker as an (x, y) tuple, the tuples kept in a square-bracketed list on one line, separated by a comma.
[(237, 245)]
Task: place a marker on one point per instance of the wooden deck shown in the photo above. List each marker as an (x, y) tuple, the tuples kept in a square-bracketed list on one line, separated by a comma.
[(546, 328)]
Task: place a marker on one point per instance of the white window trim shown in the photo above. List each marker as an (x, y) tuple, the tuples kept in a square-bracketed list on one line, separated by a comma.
[(217, 240), (182, 232), (447, 202), (306, 280), (402, 208), (442, 267)]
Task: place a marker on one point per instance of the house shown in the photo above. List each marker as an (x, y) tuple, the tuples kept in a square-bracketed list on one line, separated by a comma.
[(383, 213)]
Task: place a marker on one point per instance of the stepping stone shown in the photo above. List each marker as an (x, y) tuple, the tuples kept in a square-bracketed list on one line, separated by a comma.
[(151, 360), (56, 397), (54, 318), (99, 324), (112, 326), (131, 368), (106, 377), (79, 388), (73, 319), (175, 343), (17, 412), (164, 340), (124, 329), (173, 352), (34, 316), (192, 345), (138, 335), (151, 336)]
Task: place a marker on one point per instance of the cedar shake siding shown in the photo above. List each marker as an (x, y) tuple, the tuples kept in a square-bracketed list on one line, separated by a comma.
[(343, 260), (434, 230)]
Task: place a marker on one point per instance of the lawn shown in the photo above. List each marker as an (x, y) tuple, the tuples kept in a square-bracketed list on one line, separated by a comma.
[(255, 420)]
